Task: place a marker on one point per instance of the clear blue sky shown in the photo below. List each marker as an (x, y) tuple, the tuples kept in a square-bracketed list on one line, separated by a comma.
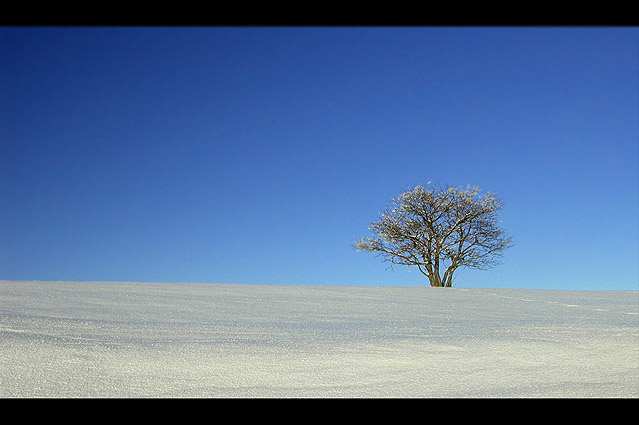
[(259, 155)]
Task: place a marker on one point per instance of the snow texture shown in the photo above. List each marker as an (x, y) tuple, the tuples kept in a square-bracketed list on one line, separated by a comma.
[(116, 339)]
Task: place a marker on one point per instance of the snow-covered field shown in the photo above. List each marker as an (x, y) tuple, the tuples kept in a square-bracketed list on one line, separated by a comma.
[(75, 339)]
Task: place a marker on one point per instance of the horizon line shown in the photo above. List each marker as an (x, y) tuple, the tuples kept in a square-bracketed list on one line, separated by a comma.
[(310, 284)]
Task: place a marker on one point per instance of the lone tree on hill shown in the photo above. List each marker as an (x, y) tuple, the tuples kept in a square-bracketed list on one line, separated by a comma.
[(440, 228)]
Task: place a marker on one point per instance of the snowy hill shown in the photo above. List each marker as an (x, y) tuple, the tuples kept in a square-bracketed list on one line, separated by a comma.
[(88, 339)]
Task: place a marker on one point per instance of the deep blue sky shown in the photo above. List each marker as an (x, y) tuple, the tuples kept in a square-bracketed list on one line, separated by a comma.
[(259, 155)]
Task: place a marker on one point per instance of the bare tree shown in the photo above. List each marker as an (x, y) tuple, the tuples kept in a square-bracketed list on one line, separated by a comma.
[(439, 229)]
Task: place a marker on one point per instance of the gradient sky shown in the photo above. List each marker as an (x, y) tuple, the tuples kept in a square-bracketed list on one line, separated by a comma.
[(259, 155)]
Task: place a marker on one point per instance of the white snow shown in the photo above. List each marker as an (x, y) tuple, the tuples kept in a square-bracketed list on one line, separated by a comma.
[(87, 339)]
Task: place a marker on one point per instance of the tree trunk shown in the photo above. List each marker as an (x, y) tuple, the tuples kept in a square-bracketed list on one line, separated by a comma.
[(435, 280), (448, 275)]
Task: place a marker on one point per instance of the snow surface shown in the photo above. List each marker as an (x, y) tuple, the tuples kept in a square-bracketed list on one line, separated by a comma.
[(87, 339)]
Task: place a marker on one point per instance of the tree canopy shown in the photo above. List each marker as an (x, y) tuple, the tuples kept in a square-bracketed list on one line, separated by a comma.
[(439, 229)]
